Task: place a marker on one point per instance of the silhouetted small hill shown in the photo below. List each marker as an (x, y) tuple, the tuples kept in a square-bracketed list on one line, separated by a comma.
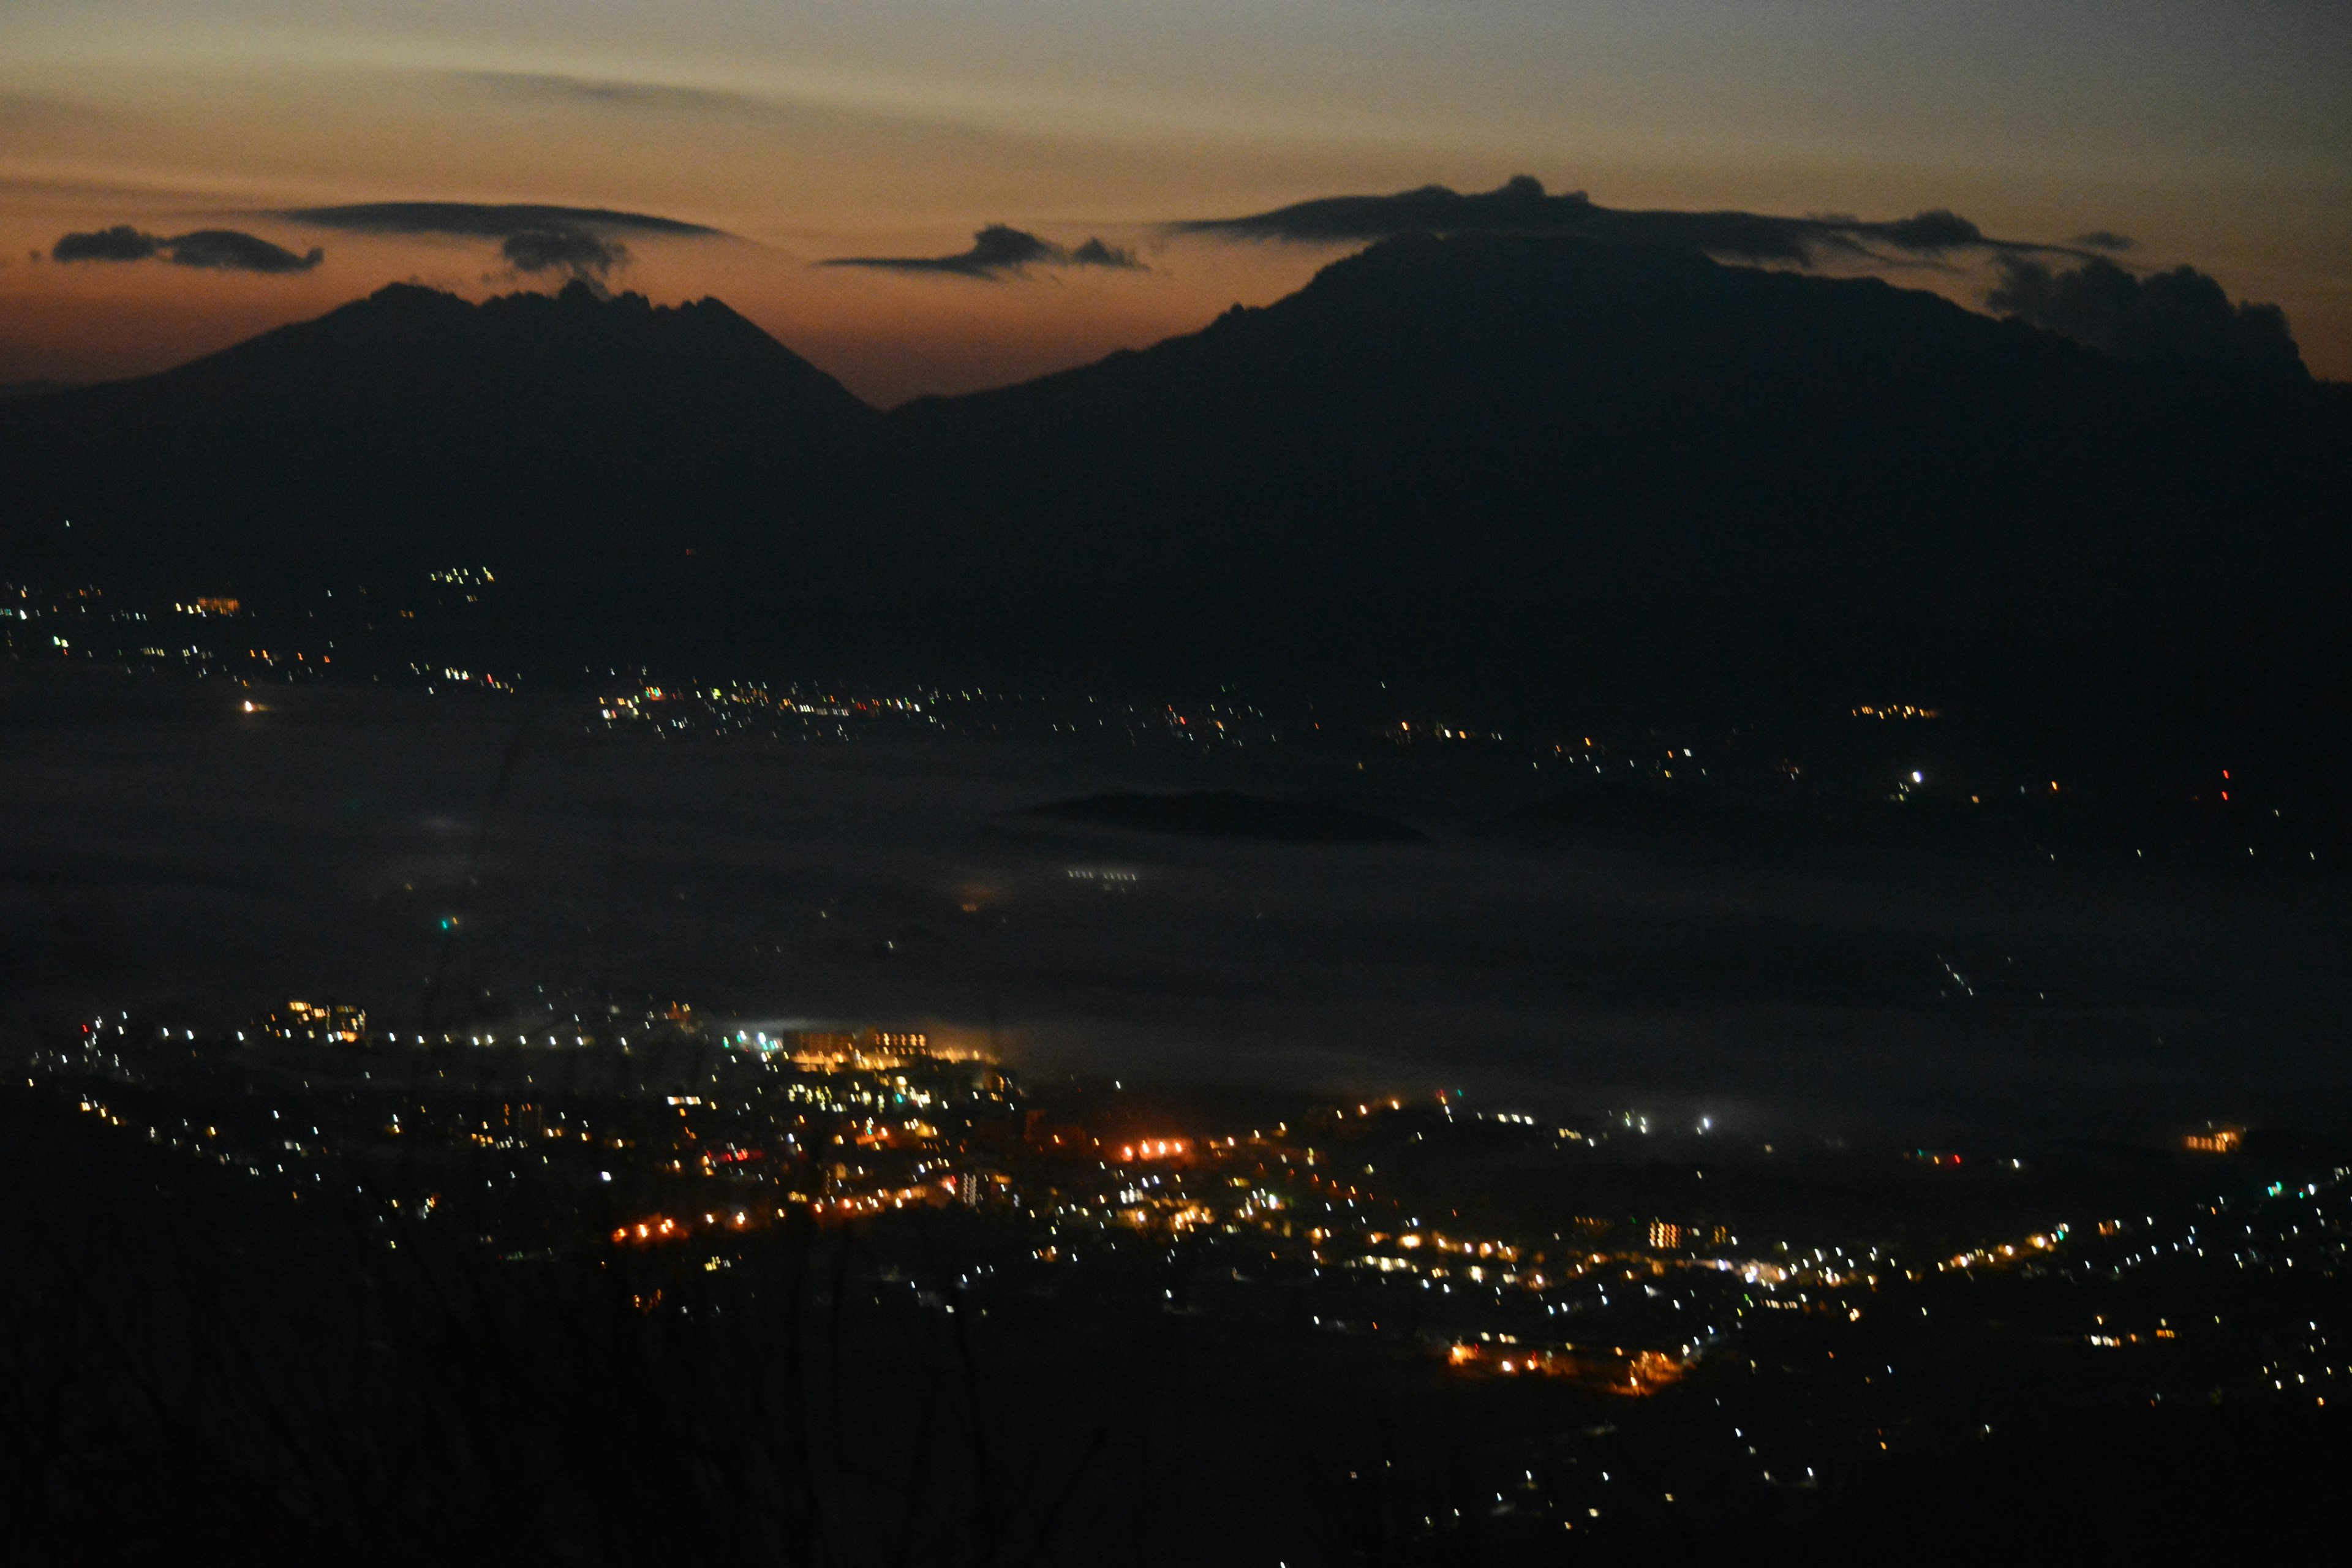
[(1222, 814), (562, 432)]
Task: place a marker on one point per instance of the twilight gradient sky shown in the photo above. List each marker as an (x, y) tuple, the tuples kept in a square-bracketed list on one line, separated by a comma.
[(2215, 134)]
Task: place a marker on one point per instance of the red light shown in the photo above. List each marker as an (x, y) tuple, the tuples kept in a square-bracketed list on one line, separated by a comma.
[(2225, 795), (2225, 773)]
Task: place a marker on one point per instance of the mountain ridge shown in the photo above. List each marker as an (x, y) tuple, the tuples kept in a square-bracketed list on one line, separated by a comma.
[(1561, 465), (413, 423), (1532, 424)]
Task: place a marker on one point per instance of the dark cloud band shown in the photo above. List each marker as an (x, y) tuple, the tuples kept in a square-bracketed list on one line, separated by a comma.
[(533, 239), (476, 220), (120, 243), (999, 251), (1521, 206), (563, 250), (233, 251), (215, 249)]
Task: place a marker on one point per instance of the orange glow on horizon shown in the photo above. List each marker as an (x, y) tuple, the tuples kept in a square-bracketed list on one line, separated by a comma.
[(812, 133)]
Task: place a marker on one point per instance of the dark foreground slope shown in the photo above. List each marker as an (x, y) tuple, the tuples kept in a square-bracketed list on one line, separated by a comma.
[(576, 440)]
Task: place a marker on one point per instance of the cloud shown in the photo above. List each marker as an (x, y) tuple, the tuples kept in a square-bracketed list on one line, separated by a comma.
[(532, 237), (228, 250), (2179, 317), (478, 220), (1521, 206), (1094, 253), (120, 243), (216, 249), (596, 89), (611, 91), (1932, 232), (584, 255), (996, 252), (2104, 239)]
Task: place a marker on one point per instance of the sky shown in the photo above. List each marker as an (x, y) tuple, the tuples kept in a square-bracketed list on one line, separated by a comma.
[(2219, 136)]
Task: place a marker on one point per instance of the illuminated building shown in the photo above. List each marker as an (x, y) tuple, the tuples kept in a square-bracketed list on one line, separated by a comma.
[(874, 1050), (318, 1021), (1615, 1370)]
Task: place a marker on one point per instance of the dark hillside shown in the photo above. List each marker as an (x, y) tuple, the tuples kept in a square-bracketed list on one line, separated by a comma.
[(1543, 471), (562, 436), (1505, 454)]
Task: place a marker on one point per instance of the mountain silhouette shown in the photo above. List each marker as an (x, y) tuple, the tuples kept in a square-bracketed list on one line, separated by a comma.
[(569, 437), (1494, 455), (1558, 468)]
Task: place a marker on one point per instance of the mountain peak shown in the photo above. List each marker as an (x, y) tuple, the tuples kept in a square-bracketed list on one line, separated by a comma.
[(530, 426), (431, 353)]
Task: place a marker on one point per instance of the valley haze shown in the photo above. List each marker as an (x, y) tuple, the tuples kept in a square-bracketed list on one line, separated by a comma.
[(1770, 973)]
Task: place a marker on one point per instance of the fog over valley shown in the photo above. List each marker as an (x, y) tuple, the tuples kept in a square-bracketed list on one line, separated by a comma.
[(194, 853)]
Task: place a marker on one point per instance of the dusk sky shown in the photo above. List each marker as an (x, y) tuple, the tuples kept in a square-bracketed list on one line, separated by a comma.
[(2214, 135)]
